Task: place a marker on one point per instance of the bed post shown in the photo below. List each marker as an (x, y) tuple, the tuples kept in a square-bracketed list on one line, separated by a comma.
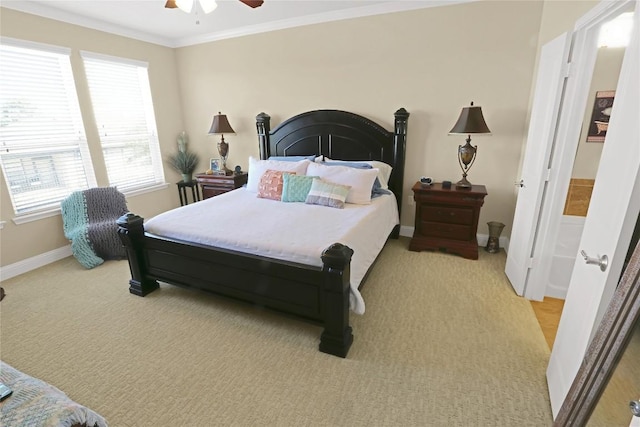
[(399, 148), (263, 124), (337, 337), (131, 232)]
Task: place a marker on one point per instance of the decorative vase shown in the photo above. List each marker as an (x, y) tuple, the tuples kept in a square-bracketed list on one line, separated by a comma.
[(493, 244), (187, 177)]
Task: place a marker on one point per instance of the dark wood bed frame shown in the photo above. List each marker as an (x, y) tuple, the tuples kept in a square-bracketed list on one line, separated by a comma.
[(317, 294)]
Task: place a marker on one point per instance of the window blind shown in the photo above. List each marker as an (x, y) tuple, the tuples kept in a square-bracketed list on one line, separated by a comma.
[(43, 147), (123, 111)]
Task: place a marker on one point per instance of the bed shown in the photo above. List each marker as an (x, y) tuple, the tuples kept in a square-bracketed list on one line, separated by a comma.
[(321, 292)]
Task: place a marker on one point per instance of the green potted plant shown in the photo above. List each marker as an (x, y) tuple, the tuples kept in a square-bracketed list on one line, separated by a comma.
[(184, 161)]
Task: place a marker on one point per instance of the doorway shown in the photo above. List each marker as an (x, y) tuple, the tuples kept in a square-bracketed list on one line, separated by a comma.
[(615, 201), (612, 43)]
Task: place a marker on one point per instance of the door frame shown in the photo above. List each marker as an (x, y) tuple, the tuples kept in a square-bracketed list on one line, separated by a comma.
[(582, 60), (605, 350)]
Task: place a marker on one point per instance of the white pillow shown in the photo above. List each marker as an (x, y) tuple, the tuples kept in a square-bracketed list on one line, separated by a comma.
[(384, 168), (258, 167), (360, 180)]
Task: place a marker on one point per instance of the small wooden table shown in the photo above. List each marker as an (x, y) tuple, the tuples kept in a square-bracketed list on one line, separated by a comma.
[(182, 190), (447, 219)]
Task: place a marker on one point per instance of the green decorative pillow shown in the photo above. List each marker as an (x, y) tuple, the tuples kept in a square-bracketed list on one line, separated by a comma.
[(295, 188), (327, 193)]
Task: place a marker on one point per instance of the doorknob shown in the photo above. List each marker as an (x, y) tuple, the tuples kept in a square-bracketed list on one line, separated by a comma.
[(519, 184), (602, 261), (634, 405)]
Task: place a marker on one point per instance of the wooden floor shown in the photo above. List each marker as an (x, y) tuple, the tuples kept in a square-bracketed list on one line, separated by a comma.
[(548, 313)]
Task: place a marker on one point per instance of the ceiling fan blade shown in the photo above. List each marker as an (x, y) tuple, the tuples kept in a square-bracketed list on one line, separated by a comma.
[(252, 3)]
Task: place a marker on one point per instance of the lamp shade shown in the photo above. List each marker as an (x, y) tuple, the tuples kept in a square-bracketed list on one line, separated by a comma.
[(470, 121), (220, 125)]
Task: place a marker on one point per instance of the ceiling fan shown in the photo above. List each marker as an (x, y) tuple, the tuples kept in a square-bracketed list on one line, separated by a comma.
[(207, 5)]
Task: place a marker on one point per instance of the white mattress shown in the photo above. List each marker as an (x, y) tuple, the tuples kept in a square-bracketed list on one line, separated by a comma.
[(297, 232)]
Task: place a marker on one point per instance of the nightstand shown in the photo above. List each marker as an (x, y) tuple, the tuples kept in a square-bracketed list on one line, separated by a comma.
[(212, 185), (447, 219)]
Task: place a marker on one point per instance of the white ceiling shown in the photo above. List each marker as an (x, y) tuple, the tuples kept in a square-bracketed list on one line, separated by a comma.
[(149, 20)]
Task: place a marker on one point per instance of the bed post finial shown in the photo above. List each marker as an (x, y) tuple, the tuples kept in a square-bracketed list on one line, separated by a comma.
[(263, 125)]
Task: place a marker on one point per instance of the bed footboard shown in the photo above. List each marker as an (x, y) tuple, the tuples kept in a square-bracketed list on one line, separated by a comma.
[(312, 293)]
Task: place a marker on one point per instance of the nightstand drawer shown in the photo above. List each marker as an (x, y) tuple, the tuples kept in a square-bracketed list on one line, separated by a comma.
[(449, 231), (208, 191), (218, 181), (447, 214), (213, 185)]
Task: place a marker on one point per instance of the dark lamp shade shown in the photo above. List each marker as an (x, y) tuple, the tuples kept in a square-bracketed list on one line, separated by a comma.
[(171, 4), (470, 121), (220, 125)]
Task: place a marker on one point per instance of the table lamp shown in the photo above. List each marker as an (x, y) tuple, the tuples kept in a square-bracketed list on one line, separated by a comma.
[(470, 122), (220, 126)]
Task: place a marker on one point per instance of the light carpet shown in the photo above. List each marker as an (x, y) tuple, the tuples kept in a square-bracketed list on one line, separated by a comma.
[(444, 342)]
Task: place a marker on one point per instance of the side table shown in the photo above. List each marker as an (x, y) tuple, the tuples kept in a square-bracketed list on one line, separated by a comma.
[(182, 191)]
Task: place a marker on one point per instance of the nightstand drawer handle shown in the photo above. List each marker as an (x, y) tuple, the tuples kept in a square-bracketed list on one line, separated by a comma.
[(444, 213)]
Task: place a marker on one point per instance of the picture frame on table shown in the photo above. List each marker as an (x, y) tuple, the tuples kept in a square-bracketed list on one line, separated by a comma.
[(216, 166)]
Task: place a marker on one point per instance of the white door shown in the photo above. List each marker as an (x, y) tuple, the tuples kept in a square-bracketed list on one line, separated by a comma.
[(613, 211), (550, 82)]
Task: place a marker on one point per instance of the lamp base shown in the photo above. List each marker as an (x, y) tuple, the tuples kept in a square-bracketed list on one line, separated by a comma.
[(463, 184)]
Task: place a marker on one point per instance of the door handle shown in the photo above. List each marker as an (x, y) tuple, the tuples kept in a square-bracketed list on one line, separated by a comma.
[(602, 261), (634, 405)]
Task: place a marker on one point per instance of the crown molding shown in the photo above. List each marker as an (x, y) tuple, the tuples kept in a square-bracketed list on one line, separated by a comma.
[(356, 12), (83, 21)]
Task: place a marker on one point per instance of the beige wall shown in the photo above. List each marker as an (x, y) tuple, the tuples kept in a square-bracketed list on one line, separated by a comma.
[(19, 242), (430, 61), (605, 77), (559, 16)]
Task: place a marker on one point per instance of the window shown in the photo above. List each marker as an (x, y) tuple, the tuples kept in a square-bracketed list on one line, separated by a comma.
[(43, 147), (123, 111)]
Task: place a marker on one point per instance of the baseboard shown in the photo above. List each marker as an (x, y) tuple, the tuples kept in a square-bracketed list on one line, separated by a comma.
[(24, 266), (407, 231)]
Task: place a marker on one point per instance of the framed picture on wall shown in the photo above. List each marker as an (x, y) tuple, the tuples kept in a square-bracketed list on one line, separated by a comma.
[(600, 116)]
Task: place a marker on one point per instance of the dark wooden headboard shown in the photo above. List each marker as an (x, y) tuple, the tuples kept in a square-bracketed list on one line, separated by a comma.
[(339, 135)]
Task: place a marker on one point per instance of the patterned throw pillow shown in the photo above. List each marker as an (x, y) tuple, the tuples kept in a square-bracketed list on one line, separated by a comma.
[(270, 185), (295, 188), (327, 193)]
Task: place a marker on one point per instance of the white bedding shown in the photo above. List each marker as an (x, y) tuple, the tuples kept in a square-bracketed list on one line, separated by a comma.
[(297, 232)]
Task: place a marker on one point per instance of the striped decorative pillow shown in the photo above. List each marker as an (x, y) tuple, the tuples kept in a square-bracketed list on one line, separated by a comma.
[(327, 193)]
